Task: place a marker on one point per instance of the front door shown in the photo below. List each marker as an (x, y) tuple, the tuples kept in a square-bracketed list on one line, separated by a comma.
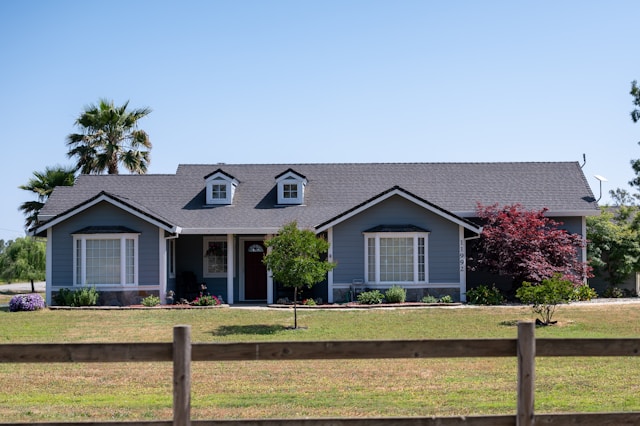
[(255, 273)]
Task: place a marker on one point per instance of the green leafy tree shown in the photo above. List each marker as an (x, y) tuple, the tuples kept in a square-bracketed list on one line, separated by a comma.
[(109, 137), (545, 297), (42, 185), (23, 259), (296, 260), (635, 116), (614, 243)]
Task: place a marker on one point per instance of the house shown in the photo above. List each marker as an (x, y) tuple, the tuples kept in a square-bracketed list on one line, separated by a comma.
[(409, 224)]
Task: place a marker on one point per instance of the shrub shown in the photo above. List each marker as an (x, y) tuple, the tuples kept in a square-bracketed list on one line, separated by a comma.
[(583, 293), (26, 302), (309, 302), (206, 301), (446, 299), (373, 297), (546, 296), (85, 296), (429, 299), (613, 293), (395, 294), (483, 295), (150, 301)]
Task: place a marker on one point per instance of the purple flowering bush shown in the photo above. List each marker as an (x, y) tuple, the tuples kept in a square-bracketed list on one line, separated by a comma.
[(26, 302)]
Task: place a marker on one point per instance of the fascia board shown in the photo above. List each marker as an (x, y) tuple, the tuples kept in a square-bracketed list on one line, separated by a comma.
[(549, 213), (225, 231)]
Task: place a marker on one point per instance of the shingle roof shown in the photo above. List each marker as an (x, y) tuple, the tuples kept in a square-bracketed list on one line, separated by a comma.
[(333, 189)]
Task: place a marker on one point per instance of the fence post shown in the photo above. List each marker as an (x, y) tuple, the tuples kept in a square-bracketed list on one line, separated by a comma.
[(182, 375), (526, 373)]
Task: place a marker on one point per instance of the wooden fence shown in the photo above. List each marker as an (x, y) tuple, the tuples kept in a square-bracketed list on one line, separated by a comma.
[(182, 352)]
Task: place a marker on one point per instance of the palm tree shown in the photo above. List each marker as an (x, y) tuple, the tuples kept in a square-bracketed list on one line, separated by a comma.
[(42, 184), (109, 137)]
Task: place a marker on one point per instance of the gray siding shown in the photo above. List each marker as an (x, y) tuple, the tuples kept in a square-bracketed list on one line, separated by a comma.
[(348, 240), (104, 214)]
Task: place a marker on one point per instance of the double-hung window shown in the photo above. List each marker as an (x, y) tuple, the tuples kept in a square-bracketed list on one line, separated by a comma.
[(395, 257), (105, 259)]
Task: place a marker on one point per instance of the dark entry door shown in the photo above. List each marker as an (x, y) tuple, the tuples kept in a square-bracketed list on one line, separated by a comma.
[(255, 273)]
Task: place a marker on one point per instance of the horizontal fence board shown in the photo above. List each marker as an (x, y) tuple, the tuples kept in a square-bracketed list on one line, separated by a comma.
[(368, 349), (587, 347), (589, 419), (86, 352), (583, 419), (505, 420), (131, 423)]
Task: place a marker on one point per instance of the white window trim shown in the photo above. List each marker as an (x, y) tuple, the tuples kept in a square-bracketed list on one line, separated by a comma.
[(205, 246), (376, 236), (82, 238), (220, 179)]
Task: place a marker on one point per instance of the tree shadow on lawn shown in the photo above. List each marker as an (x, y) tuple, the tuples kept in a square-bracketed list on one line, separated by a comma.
[(255, 329)]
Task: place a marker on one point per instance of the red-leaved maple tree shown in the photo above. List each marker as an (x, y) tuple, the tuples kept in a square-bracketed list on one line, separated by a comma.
[(527, 246)]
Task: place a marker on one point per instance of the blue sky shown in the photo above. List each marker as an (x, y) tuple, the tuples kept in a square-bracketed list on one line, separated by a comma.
[(323, 81)]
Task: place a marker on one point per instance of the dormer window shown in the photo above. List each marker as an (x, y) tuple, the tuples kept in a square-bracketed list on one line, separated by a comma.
[(220, 187), (291, 187)]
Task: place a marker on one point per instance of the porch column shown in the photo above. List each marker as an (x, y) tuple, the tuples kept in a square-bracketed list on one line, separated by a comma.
[(162, 273), (269, 277), (330, 259), (463, 264), (48, 265), (230, 268)]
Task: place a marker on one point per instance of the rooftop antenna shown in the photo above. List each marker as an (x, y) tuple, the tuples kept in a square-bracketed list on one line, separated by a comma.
[(584, 160), (601, 179)]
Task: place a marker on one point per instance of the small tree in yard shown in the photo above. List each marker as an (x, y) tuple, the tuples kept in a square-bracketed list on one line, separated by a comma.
[(295, 259), (527, 246), (546, 296)]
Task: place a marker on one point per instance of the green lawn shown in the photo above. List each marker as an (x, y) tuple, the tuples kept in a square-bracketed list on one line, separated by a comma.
[(412, 387)]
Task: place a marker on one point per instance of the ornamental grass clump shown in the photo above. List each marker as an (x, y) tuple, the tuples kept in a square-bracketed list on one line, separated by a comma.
[(395, 294), (26, 302), (372, 297), (151, 301)]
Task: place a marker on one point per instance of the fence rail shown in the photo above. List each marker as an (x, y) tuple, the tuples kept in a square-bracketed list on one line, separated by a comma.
[(182, 352)]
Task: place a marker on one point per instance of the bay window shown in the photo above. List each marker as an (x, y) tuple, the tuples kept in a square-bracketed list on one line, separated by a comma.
[(105, 259)]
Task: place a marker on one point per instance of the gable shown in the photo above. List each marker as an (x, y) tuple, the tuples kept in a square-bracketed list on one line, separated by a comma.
[(124, 205), (399, 192)]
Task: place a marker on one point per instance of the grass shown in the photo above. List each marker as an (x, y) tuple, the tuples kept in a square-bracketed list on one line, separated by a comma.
[(285, 389)]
